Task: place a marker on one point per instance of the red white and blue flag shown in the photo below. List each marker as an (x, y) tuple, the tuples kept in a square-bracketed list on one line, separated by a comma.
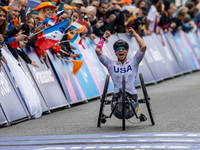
[(52, 35), (78, 26), (52, 21)]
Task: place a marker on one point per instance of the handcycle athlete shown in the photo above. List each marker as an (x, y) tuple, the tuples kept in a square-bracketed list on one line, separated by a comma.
[(123, 66)]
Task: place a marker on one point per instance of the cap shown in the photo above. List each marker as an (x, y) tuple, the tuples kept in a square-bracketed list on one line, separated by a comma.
[(45, 4), (67, 7), (144, 10), (125, 1), (77, 2)]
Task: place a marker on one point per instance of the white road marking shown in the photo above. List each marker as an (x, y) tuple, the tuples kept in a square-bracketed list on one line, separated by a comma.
[(180, 147), (75, 147), (104, 147), (168, 134), (192, 135), (90, 147)]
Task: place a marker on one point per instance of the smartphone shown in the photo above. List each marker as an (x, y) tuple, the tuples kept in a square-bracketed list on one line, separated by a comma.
[(23, 15)]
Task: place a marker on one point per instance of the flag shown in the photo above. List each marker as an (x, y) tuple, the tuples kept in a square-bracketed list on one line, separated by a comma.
[(29, 10), (76, 28), (52, 21), (77, 66), (52, 35)]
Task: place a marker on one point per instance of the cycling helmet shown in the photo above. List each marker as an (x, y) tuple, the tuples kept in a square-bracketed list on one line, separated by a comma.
[(120, 43)]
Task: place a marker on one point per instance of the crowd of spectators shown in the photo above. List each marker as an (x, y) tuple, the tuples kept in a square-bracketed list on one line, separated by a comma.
[(144, 16)]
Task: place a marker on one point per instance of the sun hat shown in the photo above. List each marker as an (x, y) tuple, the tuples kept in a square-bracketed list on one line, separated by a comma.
[(45, 4)]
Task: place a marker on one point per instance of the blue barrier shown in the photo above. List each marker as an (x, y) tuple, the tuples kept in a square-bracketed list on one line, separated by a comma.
[(186, 49), (57, 87), (96, 69), (47, 82), (179, 55), (10, 101), (171, 63), (30, 76)]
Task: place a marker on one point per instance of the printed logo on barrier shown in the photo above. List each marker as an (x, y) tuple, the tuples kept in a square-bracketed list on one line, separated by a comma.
[(44, 76), (4, 87), (122, 70)]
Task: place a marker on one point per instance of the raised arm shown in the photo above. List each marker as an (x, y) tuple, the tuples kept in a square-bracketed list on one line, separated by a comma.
[(98, 49), (141, 43)]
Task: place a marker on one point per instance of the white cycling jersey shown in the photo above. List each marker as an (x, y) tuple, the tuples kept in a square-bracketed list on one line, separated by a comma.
[(116, 69)]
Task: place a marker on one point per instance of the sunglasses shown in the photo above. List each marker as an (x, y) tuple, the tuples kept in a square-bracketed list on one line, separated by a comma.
[(83, 13), (120, 48)]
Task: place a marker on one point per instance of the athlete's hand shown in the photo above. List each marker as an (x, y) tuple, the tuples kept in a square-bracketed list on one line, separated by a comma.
[(106, 35), (133, 32)]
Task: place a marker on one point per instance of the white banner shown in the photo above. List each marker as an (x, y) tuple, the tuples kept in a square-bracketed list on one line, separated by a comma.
[(27, 90)]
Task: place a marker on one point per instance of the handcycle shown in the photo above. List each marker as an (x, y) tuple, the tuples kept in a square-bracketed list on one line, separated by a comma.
[(124, 107)]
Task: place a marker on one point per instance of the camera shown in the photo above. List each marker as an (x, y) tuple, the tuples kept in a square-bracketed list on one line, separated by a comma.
[(85, 18)]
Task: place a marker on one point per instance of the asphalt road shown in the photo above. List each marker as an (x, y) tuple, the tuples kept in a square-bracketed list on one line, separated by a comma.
[(175, 103)]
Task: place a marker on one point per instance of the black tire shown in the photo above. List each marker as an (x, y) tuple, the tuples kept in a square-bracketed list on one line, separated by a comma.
[(147, 99), (123, 102), (103, 100)]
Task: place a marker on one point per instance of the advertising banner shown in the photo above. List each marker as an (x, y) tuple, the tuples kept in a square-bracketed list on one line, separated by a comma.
[(97, 70), (29, 75), (143, 68), (9, 100), (180, 56), (155, 60), (3, 120), (79, 87), (186, 48), (193, 40), (47, 82), (163, 46)]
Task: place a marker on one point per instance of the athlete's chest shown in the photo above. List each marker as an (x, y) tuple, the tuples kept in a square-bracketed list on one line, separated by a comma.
[(118, 68)]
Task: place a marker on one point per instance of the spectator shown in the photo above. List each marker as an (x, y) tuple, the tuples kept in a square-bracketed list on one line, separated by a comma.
[(189, 5), (69, 9), (117, 25), (7, 36), (188, 21), (138, 23), (63, 17), (45, 11), (94, 3), (82, 13), (151, 22), (101, 16), (141, 3), (54, 12), (23, 4), (178, 20), (75, 15), (165, 19), (77, 4), (195, 13)]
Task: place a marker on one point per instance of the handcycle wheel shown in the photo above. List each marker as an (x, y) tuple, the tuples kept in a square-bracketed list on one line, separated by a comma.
[(123, 102), (146, 97), (103, 100)]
